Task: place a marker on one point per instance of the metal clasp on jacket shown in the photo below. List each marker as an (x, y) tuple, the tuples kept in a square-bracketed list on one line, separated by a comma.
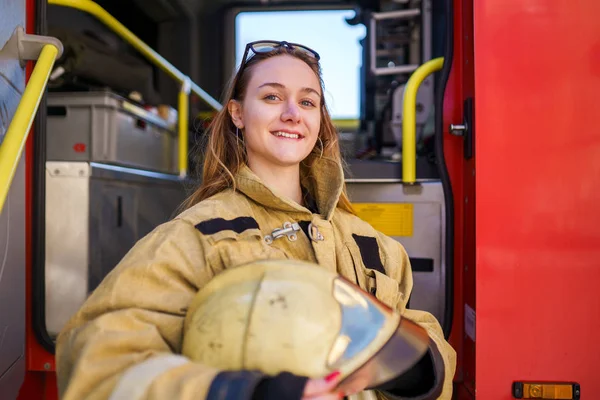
[(314, 234), (288, 230)]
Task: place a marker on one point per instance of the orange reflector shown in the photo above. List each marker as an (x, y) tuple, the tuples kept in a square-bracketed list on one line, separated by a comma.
[(546, 390)]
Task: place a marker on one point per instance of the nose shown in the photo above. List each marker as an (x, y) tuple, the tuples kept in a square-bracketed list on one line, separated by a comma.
[(291, 113)]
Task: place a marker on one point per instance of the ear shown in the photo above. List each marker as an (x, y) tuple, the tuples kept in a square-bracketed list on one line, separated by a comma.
[(235, 111)]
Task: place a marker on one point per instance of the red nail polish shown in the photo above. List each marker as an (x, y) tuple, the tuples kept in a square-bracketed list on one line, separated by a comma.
[(332, 376)]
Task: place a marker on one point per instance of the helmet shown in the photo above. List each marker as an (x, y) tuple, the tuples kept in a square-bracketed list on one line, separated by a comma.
[(294, 316)]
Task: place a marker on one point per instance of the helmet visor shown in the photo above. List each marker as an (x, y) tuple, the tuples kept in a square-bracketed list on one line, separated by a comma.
[(404, 349), (375, 344)]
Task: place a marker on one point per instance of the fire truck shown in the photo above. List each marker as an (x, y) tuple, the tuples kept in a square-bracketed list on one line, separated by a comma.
[(469, 136)]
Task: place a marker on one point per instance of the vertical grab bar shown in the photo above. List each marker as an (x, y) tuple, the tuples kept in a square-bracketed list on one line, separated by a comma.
[(409, 123)]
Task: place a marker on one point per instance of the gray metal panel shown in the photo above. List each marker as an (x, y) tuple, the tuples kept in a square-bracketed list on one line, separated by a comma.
[(12, 219), (12, 284), (67, 240), (148, 147), (12, 76), (428, 240), (113, 216), (10, 382), (112, 130), (125, 205), (95, 214), (63, 134), (391, 171)]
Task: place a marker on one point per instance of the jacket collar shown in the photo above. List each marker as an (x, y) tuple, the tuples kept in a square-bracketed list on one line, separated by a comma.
[(325, 183)]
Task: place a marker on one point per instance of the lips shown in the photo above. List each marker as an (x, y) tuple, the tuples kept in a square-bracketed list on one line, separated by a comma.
[(288, 134)]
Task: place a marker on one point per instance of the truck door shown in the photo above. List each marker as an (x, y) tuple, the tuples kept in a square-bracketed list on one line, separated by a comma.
[(537, 85), (12, 213)]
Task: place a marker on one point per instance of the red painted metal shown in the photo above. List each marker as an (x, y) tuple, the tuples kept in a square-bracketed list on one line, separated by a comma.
[(537, 78), (459, 85), (40, 380), (467, 200), (39, 386)]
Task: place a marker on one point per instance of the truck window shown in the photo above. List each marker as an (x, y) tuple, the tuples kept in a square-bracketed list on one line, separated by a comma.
[(325, 31)]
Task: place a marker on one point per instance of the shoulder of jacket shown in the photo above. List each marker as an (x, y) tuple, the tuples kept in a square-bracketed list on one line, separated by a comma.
[(358, 225), (227, 210)]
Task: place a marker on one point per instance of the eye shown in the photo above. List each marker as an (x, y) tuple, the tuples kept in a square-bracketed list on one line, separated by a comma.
[(307, 103), (271, 97)]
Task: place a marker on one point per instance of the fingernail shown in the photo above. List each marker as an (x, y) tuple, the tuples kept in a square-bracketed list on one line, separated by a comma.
[(332, 376)]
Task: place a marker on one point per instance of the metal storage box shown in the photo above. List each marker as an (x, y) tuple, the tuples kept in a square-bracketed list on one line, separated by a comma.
[(95, 213), (106, 128)]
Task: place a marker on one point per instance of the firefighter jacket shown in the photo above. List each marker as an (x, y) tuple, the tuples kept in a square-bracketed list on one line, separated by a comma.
[(125, 341)]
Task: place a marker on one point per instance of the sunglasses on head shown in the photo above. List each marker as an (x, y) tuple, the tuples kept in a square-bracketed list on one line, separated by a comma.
[(267, 46)]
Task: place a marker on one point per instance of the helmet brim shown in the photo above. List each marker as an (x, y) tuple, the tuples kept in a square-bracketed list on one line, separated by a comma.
[(407, 345)]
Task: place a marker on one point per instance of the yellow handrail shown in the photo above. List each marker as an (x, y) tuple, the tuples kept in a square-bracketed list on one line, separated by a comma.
[(184, 110), (94, 9), (18, 130), (409, 123)]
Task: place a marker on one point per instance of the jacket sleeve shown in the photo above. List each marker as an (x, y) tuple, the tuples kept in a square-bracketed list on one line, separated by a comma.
[(124, 342), (441, 354)]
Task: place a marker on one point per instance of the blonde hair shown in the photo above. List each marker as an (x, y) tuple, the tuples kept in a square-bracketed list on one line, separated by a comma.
[(225, 151)]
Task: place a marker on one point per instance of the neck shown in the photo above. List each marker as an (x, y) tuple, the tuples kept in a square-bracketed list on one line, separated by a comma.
[(285, 181)]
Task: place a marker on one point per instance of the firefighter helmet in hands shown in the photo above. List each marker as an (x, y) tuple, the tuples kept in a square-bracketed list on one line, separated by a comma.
[(284, 315)]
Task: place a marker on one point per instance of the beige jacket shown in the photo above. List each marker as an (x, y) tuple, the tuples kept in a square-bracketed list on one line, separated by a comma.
[(124, 342)]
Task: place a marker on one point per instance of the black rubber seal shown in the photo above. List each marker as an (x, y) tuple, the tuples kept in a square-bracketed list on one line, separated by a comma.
[(443, 170), (38, 265)]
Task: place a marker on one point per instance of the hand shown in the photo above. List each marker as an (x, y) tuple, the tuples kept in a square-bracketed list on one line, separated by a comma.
[(323, 389)]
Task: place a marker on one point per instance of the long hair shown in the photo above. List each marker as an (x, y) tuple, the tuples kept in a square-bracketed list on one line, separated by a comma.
[(225, 151)]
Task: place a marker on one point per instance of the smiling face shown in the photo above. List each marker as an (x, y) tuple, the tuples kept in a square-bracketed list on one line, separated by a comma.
[(280, 113)]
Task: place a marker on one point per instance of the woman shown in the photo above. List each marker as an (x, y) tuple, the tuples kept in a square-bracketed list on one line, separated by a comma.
[(272, 188)]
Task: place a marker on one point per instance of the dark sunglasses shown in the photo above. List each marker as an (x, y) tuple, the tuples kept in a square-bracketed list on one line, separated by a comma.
[(267, 46)]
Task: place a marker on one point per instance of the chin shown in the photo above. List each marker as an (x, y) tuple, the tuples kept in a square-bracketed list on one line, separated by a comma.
[(287, 160)]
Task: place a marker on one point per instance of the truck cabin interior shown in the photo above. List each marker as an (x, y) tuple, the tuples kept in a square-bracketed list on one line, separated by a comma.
[(110, 165), (494, 194), (112, 148)]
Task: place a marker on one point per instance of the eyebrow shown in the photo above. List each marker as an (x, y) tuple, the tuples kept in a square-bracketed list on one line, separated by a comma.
[(281, 86)]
